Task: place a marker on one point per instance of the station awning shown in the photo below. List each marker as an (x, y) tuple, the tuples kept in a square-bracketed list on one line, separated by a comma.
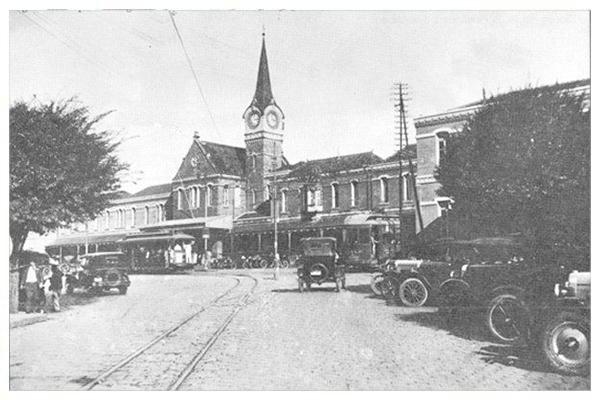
[(296, 224), (87, 239), (156, 237), (216, 222)]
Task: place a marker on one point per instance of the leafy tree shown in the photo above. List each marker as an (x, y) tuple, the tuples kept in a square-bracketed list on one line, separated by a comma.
[(62, 169), (522, 164)]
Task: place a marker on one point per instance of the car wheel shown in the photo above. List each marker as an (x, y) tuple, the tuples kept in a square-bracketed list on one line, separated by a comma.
[(389, 287), (507, 318), (285, 264), (263, 263), (413, 292), (566, 343), (123, 289), (376, 281)]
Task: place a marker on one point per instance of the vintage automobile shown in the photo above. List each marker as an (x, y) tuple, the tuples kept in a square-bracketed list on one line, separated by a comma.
[(319, 264), (563, 326), (416, 281), (99, 272), (496, 278)]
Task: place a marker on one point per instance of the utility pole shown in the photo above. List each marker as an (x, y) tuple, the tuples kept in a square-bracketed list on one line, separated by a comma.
[(399, 96), (398, 126), (275, 212)]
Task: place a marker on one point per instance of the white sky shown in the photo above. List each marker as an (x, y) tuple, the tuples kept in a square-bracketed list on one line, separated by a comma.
[(331, 72)]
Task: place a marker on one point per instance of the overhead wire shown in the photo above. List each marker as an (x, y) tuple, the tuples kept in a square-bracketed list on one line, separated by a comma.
[(65, 43), (189, 61)]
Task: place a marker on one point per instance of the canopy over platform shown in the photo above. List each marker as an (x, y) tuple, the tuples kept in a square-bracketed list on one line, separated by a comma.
[(147, 237), (265, 224), (77, 240), (218, 222)]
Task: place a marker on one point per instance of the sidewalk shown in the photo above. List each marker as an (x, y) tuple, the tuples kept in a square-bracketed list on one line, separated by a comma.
[(21, 318)]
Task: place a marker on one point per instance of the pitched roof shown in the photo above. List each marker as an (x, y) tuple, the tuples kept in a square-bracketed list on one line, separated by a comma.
[(554, 87), (227, 160), (336, 164), (155, 189), (409, 151), (263, 96)]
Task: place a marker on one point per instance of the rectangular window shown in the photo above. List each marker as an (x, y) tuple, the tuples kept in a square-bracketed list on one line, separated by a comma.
[(225, 195)]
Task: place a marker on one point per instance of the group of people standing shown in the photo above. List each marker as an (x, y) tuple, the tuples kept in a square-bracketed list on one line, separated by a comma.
[(42, 288)]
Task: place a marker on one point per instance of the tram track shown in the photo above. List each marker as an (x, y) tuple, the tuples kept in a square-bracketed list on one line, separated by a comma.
[(188, 368)]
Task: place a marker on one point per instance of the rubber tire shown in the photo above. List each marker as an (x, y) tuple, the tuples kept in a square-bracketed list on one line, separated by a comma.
[(405, 300), (551, 357), (122, 289), (389, 288), (375, 284), (285, 264), (263, 263), (490, 325)]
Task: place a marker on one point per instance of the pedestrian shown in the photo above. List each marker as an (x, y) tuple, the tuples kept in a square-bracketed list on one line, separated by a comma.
[(54, 289), (31, 284)]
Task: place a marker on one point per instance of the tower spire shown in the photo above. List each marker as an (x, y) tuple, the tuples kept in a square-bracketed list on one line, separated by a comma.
[(263, 95)]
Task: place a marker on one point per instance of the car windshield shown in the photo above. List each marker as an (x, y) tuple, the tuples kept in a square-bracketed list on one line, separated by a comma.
[(319, 248)]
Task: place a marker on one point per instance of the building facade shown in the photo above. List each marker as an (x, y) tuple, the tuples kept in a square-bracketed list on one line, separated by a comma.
[(225, 197)]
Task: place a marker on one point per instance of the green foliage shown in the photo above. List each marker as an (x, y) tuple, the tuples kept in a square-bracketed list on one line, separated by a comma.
[(522, 164), (62, 170)]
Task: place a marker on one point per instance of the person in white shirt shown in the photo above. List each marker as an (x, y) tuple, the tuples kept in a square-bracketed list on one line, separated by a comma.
[(31, 283)]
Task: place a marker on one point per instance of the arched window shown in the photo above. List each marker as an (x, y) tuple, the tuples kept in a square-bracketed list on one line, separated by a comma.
[(353, 193), (254, 162), (384, 192), (133, 216), (407, 187), (209, 195), (146, 215), (335, 195), (180, 199), (158, 213), (107, 224), (161, 212), (283, 200)]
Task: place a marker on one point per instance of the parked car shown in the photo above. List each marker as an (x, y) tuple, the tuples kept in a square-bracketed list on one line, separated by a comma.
[(563, 327), (99, 272), (497, 277), (417, 281), (319, 264)]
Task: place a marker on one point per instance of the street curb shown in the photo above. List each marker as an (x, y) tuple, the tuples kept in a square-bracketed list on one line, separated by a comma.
[(29, 321)]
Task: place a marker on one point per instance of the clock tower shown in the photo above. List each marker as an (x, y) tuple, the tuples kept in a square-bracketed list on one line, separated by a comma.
[(264, 124)]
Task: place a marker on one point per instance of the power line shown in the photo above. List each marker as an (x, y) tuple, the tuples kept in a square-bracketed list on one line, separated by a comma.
[(189, 61)]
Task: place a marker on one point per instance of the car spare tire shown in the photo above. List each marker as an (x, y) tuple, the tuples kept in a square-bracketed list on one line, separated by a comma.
[(566, 343), (318, 272)]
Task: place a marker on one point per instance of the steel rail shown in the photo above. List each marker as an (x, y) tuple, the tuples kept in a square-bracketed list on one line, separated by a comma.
[(189, 368), (136, 353)]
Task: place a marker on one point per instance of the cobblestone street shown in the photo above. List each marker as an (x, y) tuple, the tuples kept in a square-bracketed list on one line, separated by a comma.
[(282, 339)]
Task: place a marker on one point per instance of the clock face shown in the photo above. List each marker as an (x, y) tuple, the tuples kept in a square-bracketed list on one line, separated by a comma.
[(253, 119), (272, 119)]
